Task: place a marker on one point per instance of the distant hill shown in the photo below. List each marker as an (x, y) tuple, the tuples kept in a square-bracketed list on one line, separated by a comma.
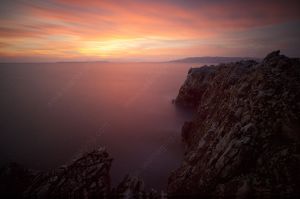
[(82, 62), (211, 59)]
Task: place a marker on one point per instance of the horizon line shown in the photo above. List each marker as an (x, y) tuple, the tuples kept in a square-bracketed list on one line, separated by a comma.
[(123, 61)]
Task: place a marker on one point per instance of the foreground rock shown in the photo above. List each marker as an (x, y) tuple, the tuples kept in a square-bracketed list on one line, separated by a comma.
[(245, 138), (87, 177), (133, 187)]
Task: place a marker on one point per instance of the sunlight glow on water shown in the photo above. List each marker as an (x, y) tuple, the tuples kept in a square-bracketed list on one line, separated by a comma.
[(52, 112)]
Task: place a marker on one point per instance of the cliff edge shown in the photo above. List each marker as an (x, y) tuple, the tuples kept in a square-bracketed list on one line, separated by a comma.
[(244, 138)]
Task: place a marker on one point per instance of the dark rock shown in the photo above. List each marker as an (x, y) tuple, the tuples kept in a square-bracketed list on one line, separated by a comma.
[(86, 177), (185, 131), (271, 56), (244, 141), (132, 187), (195, 85)]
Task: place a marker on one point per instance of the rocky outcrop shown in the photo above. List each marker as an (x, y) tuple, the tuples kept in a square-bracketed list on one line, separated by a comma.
[(133, 187), (86, 177), (194, 86), (244, 140)]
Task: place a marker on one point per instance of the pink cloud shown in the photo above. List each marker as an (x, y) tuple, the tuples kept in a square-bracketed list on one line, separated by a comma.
[(80, 23)]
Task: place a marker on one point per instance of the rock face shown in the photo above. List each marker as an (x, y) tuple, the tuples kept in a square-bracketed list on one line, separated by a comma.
[(133, 187), (130, 186), (244, 140), (86, 177)]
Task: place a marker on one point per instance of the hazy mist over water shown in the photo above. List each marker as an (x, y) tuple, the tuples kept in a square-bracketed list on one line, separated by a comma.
[(50, 113)]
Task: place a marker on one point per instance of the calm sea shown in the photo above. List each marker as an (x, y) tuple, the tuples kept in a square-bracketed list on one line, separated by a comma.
[(52, 112)]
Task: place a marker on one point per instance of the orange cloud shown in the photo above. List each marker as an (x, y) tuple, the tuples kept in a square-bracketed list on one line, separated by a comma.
[(141, 28)]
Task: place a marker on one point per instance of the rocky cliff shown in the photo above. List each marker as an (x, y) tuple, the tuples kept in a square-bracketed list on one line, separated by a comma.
[(244, 138)]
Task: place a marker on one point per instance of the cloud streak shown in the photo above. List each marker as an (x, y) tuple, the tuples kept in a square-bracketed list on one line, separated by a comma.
[(65, 29)]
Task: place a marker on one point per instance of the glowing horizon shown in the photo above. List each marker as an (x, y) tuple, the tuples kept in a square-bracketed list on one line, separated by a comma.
[(65, 30)]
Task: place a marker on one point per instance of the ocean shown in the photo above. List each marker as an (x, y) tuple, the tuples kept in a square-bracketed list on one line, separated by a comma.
[(52, 112)]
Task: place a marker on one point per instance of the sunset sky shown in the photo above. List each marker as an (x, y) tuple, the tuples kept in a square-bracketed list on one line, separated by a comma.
[(149, 30)]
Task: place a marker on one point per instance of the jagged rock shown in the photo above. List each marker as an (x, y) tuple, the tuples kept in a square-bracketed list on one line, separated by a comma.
[(132, 187), (245, 138), (86, 177), (196, 83)]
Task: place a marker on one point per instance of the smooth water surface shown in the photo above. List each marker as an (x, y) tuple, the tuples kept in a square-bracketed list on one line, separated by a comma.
[(52, 112)]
